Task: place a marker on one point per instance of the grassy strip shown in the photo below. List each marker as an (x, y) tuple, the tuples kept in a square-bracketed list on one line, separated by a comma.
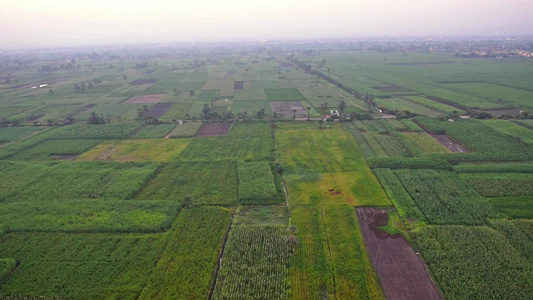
[(89, 215)]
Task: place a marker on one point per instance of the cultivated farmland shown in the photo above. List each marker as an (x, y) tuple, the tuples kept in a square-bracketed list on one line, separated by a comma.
[(179, 173)]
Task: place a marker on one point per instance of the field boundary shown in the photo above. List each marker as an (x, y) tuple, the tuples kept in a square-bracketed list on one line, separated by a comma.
[(214, 280)]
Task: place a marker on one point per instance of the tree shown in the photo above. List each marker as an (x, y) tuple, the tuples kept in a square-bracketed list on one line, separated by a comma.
[(294, 114), (50, 92), (320, 123), (94, 119), (308, 109), (342, 106), (187, 201), (125, 77), (261, 113), (293, 242)]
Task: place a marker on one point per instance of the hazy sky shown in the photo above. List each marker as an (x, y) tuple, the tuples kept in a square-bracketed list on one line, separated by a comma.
[(38, 23)]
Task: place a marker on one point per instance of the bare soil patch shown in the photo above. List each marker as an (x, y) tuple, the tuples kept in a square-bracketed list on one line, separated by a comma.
[(389, 88), (86, 107), (143, 81), (285, 109), (449, 143), (424, 63), (447, 102), (34, 118), (239, 85), (153, 98), (214, 129), (403, 274), (499, 112), (65, 156), (158, 110)]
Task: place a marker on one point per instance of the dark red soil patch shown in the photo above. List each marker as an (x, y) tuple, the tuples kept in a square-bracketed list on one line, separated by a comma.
[(403, 273), (34, 118), (499, 112), (143, 81), (449, 143), (86, 107), (239, 85), (447, 102), (65, 156), (154, 98), (158, 110), (389, 88), (214, 129), (332, 192), (284, 109), (424, 63)]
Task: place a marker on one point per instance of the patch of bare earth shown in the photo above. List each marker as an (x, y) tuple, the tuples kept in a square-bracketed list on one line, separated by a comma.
[(153, 98), (214, 129), (158, 110), (403, 273), (107, 154), (143, 81), (449, 143), (65, 156), (239, 85), (389, 88), (285, 109)]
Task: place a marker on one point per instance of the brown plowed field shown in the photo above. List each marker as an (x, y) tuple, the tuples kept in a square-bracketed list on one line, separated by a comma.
[(449, 143), (285, 109), (403, 274), (214, 129), (154, 98)]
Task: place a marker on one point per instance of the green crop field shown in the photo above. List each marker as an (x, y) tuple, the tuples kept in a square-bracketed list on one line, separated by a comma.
[(136, 150), (153, 131), (8, 134), (207, 183)]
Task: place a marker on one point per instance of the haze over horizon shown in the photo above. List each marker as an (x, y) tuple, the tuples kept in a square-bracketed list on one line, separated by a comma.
[(29, 23)]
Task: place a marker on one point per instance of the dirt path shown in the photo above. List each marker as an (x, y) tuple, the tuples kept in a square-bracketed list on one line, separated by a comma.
[(172, 131), (403, 274), (214, 280), (347, 99)]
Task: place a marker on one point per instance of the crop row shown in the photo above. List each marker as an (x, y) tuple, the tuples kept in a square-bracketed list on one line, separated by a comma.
[(206, 183), (47, 149), (405, 205), (500, 184), (486, 142), (188, 129), (89, 215), (256, 183), (475, 263), (494, 168), (8, 134), (188, 261), (49, 181), (101, 131), (443, 198), (148, 131), (255, 264), (80, 266), (331, 259)]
